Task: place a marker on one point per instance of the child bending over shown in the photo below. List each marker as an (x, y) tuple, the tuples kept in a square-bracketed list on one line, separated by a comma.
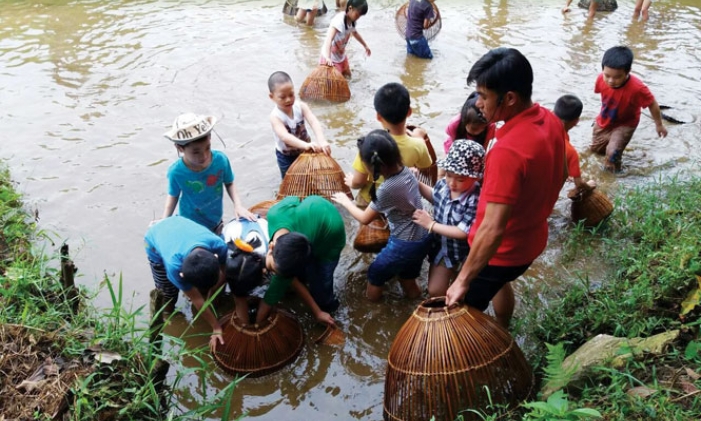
[(342, 26), (397, 198), (568, 108), (623, 95)]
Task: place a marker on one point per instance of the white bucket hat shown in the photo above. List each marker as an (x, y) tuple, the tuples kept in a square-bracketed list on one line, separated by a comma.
[(189, 127)]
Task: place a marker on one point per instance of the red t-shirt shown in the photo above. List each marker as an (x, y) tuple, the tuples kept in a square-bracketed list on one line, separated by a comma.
[(621, 106), (573, 169), (524, 168)]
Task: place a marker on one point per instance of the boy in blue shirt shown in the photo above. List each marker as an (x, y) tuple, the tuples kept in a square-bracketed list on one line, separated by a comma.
[(419, 16), (185, 256), (198, 178)]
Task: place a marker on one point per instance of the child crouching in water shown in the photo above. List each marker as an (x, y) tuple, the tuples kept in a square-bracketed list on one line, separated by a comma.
[(397, 198), (455, 200)]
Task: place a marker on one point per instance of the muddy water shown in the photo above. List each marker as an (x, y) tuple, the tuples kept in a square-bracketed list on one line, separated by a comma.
[(88, 87)]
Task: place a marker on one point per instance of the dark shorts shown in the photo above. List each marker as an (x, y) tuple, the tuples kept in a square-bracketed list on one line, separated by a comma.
[(489, 281), (284, 161), (419, 48), (399, 258), (318, 277)]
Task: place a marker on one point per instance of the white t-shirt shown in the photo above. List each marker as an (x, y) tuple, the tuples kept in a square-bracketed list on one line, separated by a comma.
[(294, 125), (340, 40)]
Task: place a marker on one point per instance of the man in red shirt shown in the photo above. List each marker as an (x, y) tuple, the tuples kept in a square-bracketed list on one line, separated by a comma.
[(525, 170)]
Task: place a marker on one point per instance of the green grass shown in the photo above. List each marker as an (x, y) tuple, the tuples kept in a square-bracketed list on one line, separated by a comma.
[(130, 388)]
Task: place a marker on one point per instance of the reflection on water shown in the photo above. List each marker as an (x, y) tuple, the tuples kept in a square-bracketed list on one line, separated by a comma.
[(88, 88)]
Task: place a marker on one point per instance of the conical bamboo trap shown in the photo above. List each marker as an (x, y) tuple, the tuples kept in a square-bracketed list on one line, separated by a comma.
[(590, 207), (601, 5), (261, 209), (258, 350), (372, 238), (290, 8), (313, 174), (442, 360), (325, 83), (428, 175), (400, 19)]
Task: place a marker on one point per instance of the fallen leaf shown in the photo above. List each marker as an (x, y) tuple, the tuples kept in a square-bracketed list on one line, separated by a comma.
[(692, 374), (641, 391), (693, 299), (688, 387)]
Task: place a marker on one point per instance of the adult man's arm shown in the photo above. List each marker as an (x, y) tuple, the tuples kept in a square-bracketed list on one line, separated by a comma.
[(484, 247)]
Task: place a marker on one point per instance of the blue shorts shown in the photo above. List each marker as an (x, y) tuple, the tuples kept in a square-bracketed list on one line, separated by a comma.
[(398, 258), (284, 161), (318, 276), (419, 48)]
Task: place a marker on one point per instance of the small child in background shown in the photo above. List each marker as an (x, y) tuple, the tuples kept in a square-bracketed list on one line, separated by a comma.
[(469, 124), (342, 26), (454, 200), (197, 180), (288, 118), (568, 108), (623, 95), (393, 106), (307, 10), (397, 198), (419, 15)]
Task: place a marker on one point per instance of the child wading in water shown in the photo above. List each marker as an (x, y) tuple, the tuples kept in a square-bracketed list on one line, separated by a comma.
[(287, 118), (342, 26), (455, 200), (568, 108), (469, 124), (398, 197), (198, 179)]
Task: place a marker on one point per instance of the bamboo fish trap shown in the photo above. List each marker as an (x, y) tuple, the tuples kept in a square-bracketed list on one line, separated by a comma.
[(258, 350), (590, 207), (325, 83), (400, 20), (601, 5), (443, 358), (261, 209), (290, 8), (427, 175), (313, 174), (372, 238)]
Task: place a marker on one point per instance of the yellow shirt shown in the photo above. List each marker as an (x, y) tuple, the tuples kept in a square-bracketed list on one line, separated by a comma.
[(414, 153)]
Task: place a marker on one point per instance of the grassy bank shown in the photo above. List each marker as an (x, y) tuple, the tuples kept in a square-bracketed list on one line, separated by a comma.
[(651, 248), (63, 359)]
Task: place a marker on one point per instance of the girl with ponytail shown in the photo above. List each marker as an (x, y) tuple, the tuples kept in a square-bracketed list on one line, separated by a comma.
[(397, 198)]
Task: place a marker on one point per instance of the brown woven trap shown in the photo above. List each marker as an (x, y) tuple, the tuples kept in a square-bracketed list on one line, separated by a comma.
[(443, 358), (325, 83), (261, 209), (601, 5), (427, 175), (372, 238), (313, 174), (400, 19), (590, 207), (258, 350), (290, 8)]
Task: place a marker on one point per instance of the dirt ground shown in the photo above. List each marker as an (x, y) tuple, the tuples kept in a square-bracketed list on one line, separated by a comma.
[(34, 379)]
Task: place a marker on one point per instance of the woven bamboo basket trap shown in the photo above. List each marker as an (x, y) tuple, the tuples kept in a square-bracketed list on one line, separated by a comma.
[(261, 209), (601, 5), (590, 207), (290, 8), (443, 358), (400, 19), (428, 175), (373, 237), (325, 83), (258, 350), (313, 174)]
